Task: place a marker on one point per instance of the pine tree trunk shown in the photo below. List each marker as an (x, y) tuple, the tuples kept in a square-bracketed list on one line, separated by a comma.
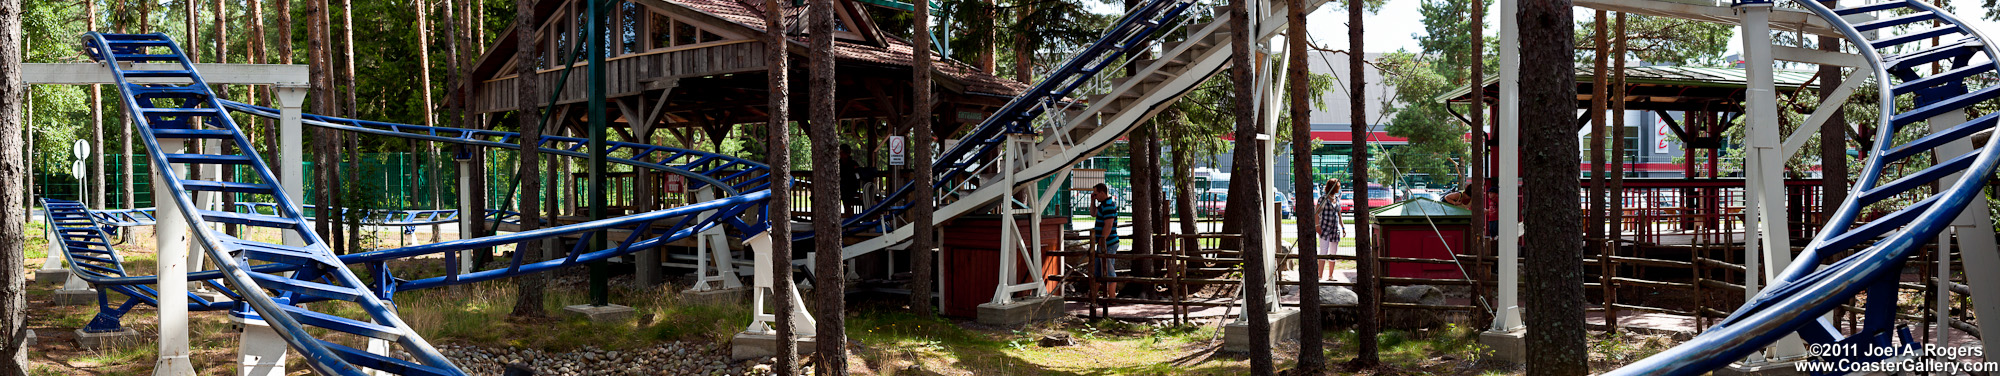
[(1475, 185), (13, 206), (96, 197), (193, 42), (1184, 200), (1593, 234), (924, 244), (1554, 293), (830, 283), (1368, 288), (1311, 340), (528, 301), (322, 95), (125, 132), (1832, 133), (352, 173), (778, 74), (1247, 163)]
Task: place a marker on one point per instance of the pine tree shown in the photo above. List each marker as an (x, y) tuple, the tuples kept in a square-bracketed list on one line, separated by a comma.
[(778, 70), (13, 206), (529, 294), (1312, 360), (1368, 288), (924, 245), (1248, 164), (1555, 337), (830, 284)]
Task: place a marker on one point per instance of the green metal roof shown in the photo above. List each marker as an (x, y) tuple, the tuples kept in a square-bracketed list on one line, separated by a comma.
[(1420, 207), (1697, 77)]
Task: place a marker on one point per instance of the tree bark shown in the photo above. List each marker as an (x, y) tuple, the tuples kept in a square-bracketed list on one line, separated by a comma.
[(1594, 231), (1555, 337), (96, 199), (193, 23), (351, 173), (1368, 288), (1832, 133), (1616, 180), (830, 284), (1476, 185), (1247, 164), (924, 244), (322, 141), (778, 74), (528, 301), (1312, 347), (13, 205)]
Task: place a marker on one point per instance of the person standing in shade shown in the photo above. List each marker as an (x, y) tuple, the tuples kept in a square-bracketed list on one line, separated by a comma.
[(1329, 230), (1104, 232)]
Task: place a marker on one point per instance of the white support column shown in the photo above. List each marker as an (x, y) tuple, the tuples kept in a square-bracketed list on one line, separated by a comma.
[(1010, 232), (260, 351), (1975, 236), (171, 239), (766, 266), (1764, 172), (290, 158), (1271, 99), (715, 266), (466, 212), (1508, 317)]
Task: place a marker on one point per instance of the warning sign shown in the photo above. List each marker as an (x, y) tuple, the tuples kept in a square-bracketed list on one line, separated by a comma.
[(897, 151)]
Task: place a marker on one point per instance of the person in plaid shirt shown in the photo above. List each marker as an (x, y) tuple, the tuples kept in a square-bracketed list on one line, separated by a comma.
[(1329, 227)]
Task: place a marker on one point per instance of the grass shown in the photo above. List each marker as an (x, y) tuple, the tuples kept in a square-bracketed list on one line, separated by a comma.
[(479, 313), (896, 342)]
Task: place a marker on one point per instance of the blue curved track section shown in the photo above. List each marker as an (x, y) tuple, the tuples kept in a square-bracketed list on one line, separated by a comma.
[(1798, 298), (191, 111), (292, 276), (1132, 35)]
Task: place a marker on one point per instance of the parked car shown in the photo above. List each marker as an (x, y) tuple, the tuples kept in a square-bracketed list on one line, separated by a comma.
[(1378, 196), (1284, 204), (1211, 202)]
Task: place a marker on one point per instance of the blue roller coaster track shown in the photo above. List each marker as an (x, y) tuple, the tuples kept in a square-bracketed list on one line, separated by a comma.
[(1798, 299), (310, 273)]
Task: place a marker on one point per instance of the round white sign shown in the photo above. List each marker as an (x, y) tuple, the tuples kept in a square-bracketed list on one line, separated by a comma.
[(82, 149), (77, 170)]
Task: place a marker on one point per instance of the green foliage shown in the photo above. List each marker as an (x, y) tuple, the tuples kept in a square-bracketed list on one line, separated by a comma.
[(1436, 136), (1661, 40)]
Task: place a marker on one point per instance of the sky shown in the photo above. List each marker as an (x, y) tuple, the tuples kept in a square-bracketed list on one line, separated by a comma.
[(1399, 24)]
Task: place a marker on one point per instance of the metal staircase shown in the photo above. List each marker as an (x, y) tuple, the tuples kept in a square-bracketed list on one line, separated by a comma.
[(1066, 130), (1798, 299), (190, 111)]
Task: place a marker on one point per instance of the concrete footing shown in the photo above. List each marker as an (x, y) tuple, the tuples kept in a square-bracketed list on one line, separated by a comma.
[(210, 295), (31, 339), (68, 297), (739, 295), (747, 345), (604, 313), (1021, 311), (51, 276), (1770, 368), (106, 339), (1509, 347), (1284, 326)]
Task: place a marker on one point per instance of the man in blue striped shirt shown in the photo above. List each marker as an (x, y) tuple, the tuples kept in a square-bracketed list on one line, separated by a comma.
[(1105, 232)]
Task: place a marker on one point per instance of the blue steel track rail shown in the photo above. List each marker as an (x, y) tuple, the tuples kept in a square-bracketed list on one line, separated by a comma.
[(1797, 299), (321, 277), (91, 258), (193, 112), (1124, 40)]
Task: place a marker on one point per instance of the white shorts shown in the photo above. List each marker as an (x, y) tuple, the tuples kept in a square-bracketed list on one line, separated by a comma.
[(1329, 247)]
